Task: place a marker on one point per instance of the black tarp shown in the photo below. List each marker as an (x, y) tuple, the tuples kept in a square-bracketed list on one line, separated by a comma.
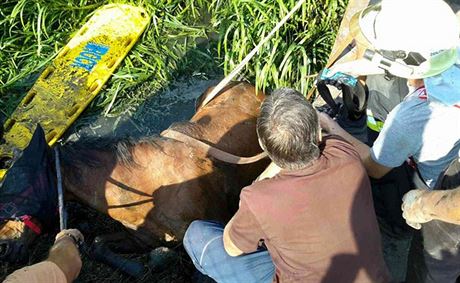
[(29, 187)]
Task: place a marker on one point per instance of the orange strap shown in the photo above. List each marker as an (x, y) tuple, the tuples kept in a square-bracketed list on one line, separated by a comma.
[(212, 151)]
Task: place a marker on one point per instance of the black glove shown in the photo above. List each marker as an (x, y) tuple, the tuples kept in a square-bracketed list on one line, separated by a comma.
[(328, 110), (321, 86), (354, 97)]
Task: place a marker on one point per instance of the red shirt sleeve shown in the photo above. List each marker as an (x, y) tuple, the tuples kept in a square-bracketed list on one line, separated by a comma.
[(245, 231), (333, 143)]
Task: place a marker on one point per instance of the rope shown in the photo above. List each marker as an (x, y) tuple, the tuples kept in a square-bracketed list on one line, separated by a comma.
[(251, 54), (62, 220), (212, 151)]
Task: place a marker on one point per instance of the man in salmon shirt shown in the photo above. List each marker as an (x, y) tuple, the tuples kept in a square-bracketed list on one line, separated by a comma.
[(311, 220)]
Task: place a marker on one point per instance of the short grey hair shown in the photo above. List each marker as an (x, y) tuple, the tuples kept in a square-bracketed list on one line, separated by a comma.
[(288, 129)]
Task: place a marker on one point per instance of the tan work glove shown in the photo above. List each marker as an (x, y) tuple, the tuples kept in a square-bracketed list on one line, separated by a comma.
[(413, 209)]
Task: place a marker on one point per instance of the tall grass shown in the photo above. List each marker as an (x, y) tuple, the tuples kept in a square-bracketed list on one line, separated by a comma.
[(32, 32), (185, 38), (299, 49)]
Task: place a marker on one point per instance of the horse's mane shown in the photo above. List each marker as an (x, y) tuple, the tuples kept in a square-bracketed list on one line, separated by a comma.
[(83, 152)]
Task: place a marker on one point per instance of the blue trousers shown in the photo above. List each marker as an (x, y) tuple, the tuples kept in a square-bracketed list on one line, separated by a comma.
[(203, 241)]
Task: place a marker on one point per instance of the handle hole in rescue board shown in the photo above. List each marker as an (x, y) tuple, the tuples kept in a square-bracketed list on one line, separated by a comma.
[(128, 42), (28, 99), (94, 86), (73, 110), (47, 73), (64, 52), (83, 30), (9, 124), (5, 161), (111, 63)]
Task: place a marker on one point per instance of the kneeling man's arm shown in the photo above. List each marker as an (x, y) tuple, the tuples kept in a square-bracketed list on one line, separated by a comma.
[(243, 233), (229, 246)]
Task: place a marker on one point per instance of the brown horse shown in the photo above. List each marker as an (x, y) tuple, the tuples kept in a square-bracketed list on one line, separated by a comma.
[(156, 186)]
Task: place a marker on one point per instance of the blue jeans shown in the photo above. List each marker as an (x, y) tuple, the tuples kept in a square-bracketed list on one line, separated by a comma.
[(203, 241)]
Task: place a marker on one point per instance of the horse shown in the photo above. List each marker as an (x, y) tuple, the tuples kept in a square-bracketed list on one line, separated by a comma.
[(157, 185)]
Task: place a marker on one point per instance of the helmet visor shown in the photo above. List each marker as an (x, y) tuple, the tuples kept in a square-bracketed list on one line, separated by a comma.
[(362, 26)]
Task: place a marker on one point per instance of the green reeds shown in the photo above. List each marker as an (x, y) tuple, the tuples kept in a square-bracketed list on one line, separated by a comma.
[(297, 52), (184, 38)]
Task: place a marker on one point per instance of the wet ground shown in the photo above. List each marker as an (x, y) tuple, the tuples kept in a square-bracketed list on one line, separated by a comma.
[(176, 103)]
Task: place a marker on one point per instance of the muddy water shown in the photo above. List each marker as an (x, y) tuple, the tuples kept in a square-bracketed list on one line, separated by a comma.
[(175, 103)]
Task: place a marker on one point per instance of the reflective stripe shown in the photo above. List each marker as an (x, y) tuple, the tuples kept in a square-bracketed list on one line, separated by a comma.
[(372, 123)]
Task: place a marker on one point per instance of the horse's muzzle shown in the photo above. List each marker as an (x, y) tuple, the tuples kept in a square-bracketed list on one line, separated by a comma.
[(13, 251)]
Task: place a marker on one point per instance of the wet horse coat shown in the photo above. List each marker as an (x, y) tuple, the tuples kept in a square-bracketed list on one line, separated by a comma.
[(156, 186)]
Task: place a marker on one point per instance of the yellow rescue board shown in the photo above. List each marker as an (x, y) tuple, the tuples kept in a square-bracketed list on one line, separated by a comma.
[(74, 78)]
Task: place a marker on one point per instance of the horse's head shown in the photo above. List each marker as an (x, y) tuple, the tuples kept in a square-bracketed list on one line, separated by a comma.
[(28, 199), (229, 122)]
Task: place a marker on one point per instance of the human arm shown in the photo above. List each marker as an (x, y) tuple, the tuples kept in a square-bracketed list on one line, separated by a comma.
[(64, 253), (420, 206), (62, 265), (374, 169), (243, 232), (229, 246)]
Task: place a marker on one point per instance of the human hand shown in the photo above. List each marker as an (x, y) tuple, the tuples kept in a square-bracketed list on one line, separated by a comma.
[(413, 209), (328, 124), (64, 253)]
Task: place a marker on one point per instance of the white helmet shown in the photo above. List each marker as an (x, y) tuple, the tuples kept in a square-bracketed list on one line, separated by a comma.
[(408, 38)]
